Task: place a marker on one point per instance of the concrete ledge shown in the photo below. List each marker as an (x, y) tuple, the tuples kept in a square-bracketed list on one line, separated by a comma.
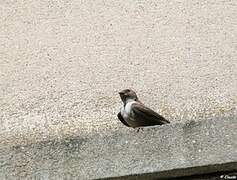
[(173, 150)]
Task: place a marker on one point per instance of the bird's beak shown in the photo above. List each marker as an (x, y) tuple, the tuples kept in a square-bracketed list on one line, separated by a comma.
[(121, 92)]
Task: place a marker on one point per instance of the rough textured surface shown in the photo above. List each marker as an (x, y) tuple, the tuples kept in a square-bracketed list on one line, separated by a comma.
[(63, 62), (171, 150)]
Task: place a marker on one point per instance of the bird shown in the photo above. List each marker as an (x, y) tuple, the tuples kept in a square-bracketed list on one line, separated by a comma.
[(135, 114)]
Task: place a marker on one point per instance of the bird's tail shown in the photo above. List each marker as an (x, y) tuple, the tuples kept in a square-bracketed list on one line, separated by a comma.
[(165, 121)]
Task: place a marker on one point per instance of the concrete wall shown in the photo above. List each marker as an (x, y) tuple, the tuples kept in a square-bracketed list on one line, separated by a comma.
[(175, 150), (63, 62)]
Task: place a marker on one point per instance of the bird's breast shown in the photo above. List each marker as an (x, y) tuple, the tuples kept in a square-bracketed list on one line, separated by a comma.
[(126, 111)]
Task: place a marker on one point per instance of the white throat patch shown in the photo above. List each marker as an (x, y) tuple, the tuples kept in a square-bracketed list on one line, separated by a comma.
[(125, 111)]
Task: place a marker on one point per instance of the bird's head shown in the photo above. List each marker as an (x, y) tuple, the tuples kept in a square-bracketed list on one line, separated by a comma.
[(128, 94)]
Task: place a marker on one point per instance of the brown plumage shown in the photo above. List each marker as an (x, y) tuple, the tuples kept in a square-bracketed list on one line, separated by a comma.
[(134, 114)]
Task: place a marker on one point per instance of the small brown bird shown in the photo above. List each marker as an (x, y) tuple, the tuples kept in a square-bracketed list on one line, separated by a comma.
[(134, 114)]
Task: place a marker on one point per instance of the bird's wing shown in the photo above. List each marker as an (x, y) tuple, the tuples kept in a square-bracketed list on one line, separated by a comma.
[(120, 117), (146, 116)]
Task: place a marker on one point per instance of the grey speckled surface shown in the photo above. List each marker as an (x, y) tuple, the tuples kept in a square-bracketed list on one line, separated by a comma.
[(196, 147), (63, 62)]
